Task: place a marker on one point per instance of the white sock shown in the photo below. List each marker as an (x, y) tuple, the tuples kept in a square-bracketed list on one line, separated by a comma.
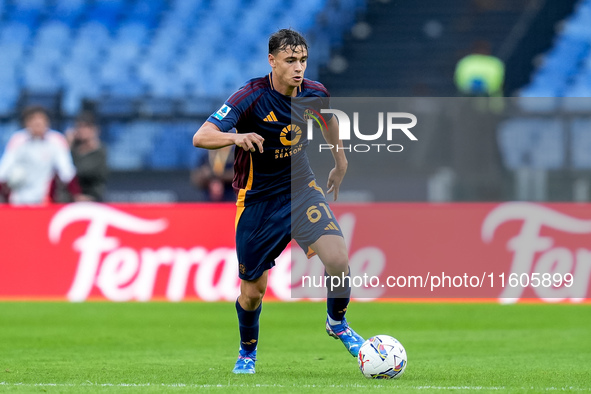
[(333, 322)]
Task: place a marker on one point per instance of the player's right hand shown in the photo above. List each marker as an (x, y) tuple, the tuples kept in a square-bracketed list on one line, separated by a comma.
[(249, 141)]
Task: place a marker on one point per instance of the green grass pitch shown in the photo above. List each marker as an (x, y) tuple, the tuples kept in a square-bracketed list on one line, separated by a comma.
[(185, 347)]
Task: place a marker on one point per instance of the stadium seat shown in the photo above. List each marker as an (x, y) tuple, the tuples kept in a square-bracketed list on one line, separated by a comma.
[(76, 93), (128, 88), (15, 33), (41, 78), (532, 143), (106, 12), (94, 33), (581, 143), (133, 33), (116, 107), (123, 53), (67, 11), (8, 75), (8, 97), (158, 107), (46, 55), (53, 33), (577, 97), (26, 13), (147, 12), (84, 54), (11, 53), (6, 131), (197, 106)]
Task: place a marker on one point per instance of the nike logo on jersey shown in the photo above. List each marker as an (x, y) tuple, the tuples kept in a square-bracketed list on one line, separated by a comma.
[(270, 118)]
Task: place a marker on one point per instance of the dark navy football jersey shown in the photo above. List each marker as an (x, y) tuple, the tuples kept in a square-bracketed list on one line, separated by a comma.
[(283, 166)]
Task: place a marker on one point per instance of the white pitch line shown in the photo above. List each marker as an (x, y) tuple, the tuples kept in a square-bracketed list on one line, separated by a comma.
[(254, 385)]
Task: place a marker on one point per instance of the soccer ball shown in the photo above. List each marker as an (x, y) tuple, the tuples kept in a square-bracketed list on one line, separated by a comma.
[(382, 357)]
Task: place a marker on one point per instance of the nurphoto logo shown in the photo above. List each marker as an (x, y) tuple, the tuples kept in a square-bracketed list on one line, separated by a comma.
[(392, 120)]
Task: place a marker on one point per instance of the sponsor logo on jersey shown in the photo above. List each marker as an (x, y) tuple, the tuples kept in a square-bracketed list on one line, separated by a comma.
[(292, 131)]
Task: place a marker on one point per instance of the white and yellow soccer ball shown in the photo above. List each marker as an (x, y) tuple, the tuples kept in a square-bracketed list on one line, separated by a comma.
[(382, 357)]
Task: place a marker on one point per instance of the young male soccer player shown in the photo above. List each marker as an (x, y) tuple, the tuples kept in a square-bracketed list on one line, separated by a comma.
[(277, 196)]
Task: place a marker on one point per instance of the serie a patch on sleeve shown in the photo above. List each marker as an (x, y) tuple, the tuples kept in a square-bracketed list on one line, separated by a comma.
[(222, 112)]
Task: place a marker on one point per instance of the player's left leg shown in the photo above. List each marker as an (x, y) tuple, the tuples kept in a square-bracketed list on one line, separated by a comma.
[(248, 308), (332, 251)]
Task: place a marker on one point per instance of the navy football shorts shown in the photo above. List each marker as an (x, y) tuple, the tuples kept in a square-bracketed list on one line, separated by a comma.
[(264, 229)]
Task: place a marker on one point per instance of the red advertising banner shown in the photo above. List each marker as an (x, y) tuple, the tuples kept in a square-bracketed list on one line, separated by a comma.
[(506, 251)]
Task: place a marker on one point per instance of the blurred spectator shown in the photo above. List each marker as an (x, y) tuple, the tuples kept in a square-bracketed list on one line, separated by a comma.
[(33, 158), (213, 173), (480, 73), (89, 156)]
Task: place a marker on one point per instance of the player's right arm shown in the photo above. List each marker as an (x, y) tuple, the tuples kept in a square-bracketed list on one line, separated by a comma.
[(209, 136)]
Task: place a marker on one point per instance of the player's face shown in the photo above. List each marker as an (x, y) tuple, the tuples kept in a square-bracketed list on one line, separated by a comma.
[(37, 124), (289, 66)]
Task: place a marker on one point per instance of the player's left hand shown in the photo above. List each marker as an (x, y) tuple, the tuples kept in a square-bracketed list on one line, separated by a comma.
[(335, 177)]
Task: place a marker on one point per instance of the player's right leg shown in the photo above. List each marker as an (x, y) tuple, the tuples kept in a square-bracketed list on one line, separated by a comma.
[(248, 308), (316, 229), (262, 233)]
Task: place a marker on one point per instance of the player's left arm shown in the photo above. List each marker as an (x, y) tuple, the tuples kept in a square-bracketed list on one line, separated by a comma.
[(336, 175)]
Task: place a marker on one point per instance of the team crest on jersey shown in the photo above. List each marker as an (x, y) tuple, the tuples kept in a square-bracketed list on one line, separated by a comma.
[(222, 112)]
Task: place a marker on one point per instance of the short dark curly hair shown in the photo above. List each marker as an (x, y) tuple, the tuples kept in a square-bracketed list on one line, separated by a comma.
[(286, 38)]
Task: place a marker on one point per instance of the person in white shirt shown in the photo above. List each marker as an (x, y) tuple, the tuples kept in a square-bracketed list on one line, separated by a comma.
[(32, 160)]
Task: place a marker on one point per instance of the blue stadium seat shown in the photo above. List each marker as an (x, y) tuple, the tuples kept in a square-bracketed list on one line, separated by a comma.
[(8, 73), (581, 143), (579, 24), (147, 12), (132, 32), (577, 99), (193, 106), (27, 12), (11, 53), (46, 55), (74, 94), (68, 11), (55, 34), (40, 78), (131, 144), (30, 4), (532, 143), (15, 33), (107, 12), (166, 156), (8, 97), (149, 71), (113, 72), (172, 147), (6, 131), (94, 34), (130, 88), (84, 54), (166, 85), (124, 53)]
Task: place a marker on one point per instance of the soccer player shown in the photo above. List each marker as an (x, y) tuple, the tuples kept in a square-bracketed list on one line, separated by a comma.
[(278, 198)]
